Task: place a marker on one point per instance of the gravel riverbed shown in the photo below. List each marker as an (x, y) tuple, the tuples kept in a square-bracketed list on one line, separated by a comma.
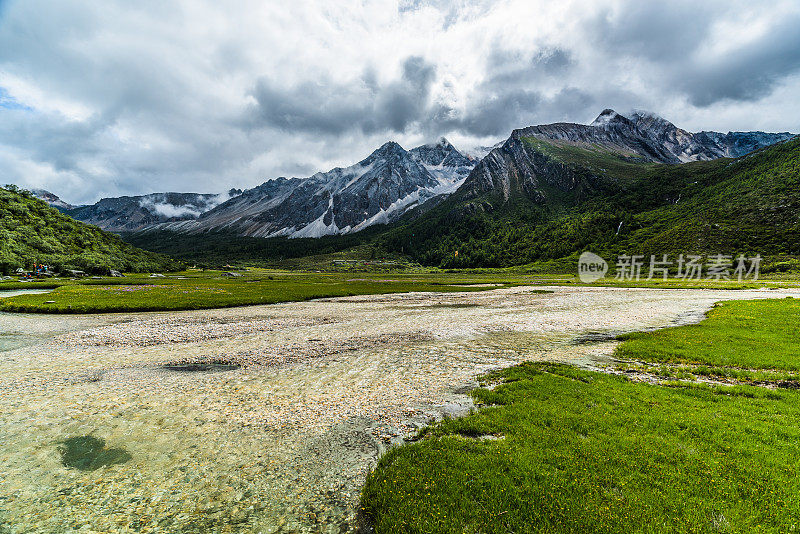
[(268, 418)]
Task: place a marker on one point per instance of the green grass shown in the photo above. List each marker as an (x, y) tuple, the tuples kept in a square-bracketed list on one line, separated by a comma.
[(208, 289), (589, 452), (758, 334), (195, 289), (595, 159)]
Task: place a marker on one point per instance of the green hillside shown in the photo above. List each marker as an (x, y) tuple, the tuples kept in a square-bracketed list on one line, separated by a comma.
[(33, 232), (617, 204)]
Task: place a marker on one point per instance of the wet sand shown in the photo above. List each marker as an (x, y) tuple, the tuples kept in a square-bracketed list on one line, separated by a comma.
[(283, 408)]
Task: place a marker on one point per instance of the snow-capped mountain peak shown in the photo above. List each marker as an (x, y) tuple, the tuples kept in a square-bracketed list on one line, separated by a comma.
[(376, 190)]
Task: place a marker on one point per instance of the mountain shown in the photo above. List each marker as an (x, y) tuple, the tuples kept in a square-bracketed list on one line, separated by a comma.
[(376, 190), (703, 145), (735, 144), (535, 157), (479, 152), (52, 200), (131, 213), (33, 232), (442, 160), (615, 184)]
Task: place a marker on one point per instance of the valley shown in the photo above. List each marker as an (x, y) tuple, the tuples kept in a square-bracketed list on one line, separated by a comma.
[(631, 183)]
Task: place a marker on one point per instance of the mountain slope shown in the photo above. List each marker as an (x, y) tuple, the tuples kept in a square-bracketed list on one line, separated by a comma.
[(536, 198), (376, 190), (131, 213), (537, 164), (33, 232), (587, 158)]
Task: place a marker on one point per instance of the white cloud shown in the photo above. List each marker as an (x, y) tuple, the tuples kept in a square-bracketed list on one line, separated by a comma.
[(128, 98)]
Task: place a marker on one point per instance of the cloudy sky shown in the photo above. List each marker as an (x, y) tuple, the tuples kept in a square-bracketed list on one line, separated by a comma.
[(117, 97)]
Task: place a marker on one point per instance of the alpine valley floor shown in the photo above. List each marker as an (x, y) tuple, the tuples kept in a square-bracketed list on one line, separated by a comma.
[(268, 418)]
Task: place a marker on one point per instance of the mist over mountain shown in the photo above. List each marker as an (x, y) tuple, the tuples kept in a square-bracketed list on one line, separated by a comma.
[(52, 200), (132, 213)]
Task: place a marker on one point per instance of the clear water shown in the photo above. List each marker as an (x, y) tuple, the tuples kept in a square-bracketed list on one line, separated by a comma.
[(98, 437), (12, 337)]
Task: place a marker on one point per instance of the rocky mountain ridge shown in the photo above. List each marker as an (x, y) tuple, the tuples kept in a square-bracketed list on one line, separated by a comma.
[(52, 199), (376, 190), (638, 137), (391, 181)]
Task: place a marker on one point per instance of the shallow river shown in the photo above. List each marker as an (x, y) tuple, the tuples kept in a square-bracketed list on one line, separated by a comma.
[(11, 337), (267, 418)]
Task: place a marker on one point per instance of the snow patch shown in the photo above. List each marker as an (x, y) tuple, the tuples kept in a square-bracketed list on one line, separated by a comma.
[(318, 228)]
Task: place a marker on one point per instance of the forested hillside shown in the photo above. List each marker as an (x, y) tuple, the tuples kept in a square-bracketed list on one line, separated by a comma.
[(33, 232), (602, 201)]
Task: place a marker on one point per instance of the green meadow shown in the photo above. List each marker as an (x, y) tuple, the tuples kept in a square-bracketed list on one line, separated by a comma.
[(204, 289), (192, 290), (760, 334), (556, 449)]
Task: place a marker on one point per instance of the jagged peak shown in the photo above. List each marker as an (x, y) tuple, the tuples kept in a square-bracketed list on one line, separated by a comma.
[(643, 113), (443, 142), (390, 146), (648, 118), (606, 117), (386, 150)]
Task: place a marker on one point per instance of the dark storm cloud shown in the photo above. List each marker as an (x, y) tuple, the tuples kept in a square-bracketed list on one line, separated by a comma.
[(509, 96), (489, 116), (499, 113), (51, 139), (660, 31), (505, 68), (326, 107)]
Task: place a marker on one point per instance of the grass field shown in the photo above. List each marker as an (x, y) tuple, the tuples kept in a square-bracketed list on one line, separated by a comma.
[(196, 289), (741, 334), (210, 289), (557, 449)]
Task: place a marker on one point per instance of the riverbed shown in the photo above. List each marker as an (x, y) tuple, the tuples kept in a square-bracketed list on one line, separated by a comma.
[(12, 334), (268, 418)]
